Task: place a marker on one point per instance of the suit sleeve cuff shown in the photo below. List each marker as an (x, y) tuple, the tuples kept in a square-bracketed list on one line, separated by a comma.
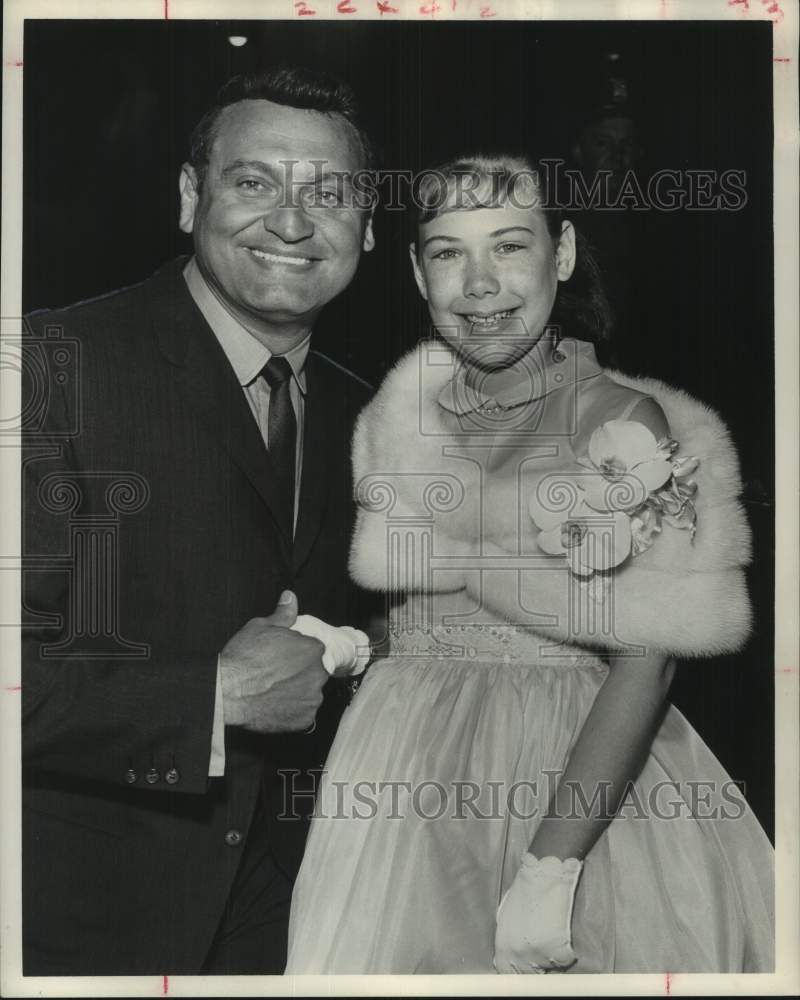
[(216, 765)]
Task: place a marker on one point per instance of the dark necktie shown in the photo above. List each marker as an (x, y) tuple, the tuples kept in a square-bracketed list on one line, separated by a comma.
[(282, 431)]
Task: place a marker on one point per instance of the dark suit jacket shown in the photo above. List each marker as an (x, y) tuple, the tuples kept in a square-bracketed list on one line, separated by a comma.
[(149, 540)]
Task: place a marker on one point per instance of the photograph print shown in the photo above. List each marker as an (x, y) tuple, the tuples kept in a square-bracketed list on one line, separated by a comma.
[(397, 496)]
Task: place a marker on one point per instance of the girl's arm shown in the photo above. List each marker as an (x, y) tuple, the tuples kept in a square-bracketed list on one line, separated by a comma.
[(533, 932), (608, 753), (616, 736)]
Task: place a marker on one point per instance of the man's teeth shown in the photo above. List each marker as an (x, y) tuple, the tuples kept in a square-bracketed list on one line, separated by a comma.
[(489, 320), (279, 258)]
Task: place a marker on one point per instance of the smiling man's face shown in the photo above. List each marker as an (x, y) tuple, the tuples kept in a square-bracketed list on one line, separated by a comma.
[(276, 232)]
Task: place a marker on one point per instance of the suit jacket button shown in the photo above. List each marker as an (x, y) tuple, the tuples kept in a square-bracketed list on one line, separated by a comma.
[(233, 838), (172, 776), (152, 776), (131, 776), (311, 728)]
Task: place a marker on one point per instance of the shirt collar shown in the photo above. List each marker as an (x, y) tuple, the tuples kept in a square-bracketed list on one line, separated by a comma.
[(246, 354), (533, 377)]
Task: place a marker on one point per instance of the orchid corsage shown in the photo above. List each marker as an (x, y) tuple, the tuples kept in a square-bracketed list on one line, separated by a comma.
[(615, 505)]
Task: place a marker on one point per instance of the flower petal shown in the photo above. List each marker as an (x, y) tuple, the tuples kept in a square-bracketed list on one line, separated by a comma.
[(614, 494), (645, 524), (550, 541), (555, 500), (577, 565), (670, 503), (652, 474), (667, 448), (627, 441), (595, 489), (685, 466), (607, 542)]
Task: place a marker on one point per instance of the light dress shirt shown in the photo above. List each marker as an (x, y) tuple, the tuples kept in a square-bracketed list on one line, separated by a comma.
[(247, 356)]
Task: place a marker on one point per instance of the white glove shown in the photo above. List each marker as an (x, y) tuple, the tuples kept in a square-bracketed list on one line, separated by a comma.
[(347, 649), (534, 918)]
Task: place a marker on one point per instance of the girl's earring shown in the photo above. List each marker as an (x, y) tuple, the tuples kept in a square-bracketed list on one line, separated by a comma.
[(556, 354)]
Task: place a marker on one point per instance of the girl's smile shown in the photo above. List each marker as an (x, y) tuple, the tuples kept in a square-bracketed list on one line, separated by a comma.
[(491, 271)]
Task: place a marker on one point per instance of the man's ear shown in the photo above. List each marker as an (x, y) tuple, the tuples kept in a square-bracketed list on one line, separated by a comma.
[(565, 251), (419, 277), (188, 185), (368, 243)]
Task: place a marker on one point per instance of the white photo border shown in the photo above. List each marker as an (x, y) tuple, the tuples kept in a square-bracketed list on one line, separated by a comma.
[(786, 979)]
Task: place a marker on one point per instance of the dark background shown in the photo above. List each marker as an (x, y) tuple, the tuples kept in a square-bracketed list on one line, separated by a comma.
[(109, 106)]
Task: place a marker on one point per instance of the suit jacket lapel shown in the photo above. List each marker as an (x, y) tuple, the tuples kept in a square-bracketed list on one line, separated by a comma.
[(319, 454), (204, 375)]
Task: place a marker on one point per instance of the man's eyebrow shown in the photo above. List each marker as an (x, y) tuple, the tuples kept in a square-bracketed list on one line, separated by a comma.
[(283, 168), (264, 168)]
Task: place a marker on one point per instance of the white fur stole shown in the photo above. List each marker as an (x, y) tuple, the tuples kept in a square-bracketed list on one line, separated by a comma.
[(431, 518)]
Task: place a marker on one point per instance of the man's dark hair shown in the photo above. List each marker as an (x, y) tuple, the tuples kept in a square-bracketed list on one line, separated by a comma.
[(291, 86)]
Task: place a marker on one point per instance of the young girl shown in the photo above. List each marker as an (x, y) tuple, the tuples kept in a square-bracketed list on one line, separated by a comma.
[(510, 789)]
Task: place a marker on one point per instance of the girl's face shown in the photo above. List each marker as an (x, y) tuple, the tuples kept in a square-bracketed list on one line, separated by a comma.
[(489, 276)]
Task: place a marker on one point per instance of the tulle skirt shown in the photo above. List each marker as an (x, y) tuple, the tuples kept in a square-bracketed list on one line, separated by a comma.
[(433, 790)]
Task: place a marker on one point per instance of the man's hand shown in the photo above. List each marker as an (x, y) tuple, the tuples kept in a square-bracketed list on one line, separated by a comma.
[(272, 677)]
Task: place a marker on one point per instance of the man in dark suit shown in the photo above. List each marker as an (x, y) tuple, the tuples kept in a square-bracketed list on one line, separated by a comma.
[(187, 489)]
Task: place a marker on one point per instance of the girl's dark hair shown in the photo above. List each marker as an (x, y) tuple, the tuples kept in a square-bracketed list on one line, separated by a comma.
[(581, 308), (291, 86)]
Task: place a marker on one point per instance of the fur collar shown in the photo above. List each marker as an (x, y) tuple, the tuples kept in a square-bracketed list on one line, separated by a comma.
[(413, 473)]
